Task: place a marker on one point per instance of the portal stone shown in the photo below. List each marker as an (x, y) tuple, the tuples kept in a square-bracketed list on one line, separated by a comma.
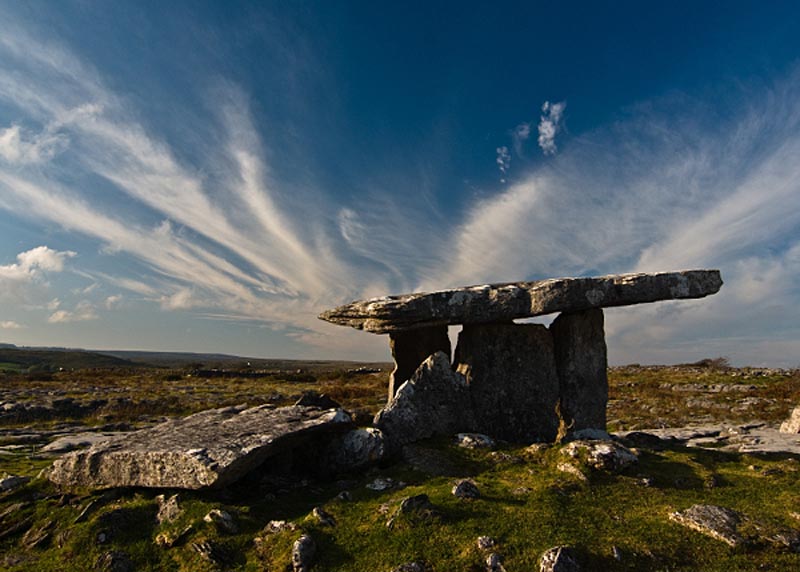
[(580, 350), (511, 373)]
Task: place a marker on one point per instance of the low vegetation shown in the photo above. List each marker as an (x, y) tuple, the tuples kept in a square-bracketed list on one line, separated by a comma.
[(616, 522)]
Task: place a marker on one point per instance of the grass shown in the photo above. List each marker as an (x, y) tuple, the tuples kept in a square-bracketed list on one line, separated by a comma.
[(527, 504)]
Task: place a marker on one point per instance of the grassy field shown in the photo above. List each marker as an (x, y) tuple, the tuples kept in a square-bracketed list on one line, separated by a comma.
[(616, 522)]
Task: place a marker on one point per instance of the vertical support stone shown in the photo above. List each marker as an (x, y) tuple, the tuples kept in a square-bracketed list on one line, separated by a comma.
[(412, 347), (581, 360), (513, 384)]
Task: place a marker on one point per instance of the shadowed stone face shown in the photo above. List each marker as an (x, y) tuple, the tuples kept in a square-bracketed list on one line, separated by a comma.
[(511, 373), (411, 348), (580, 352)]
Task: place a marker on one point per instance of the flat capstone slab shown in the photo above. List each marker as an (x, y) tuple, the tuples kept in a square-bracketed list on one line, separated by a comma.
[(513, 300), (209, 449)]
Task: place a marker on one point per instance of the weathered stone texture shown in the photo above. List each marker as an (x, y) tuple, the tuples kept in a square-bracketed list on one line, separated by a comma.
[(511, 373), (582, 365), (509, 301), (411, 348), (435, 401), (208, 449), (792, 424)]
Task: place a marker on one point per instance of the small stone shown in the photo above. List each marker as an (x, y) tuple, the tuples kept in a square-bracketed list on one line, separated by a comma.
[(466, 489), (792, 425), (38, 535), (114, 561), (8, 482), (223, 520), (303, 551), (571, 469), (323, 517), (212, 552), (616, 553), (494, 563), (314, 399), (381, 484), (344, 496), (415, 504), (276, 526), (411, 567), (559, 559), (168, 509), (102, 537), (607, 456), (486, 543), (475, 441), (715, 521)]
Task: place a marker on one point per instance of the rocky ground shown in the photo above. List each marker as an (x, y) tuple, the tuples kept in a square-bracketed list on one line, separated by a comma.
[(697, 478)]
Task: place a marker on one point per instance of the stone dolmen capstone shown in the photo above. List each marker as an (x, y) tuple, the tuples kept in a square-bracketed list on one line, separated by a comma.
[(210, 449), (521, 382)]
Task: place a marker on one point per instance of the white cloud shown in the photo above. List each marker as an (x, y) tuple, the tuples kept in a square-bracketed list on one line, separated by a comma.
[(550, 126), (23, 148), (23, 282), (113, 301), (84, 311), (10, 325)]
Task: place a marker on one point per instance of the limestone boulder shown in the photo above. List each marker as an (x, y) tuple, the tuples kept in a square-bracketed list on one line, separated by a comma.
[(435, 401), (354, 450), (792, 425), (511, 373), (509, 301), (411, 348), (208, 449)]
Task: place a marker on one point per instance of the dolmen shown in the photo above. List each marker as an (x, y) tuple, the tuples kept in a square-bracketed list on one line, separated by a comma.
[(520, 382)]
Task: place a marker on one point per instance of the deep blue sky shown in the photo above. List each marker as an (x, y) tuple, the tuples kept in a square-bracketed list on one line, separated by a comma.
[(209, 176)]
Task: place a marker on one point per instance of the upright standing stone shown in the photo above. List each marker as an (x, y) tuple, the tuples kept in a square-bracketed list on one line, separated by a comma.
[(581, 361), (513, 384), (411, 348)]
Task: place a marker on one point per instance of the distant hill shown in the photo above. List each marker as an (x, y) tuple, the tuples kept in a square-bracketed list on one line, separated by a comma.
[(34, 359)]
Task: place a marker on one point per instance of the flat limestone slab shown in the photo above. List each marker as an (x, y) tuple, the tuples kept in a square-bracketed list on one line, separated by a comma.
[(208, 449), (509, 301)]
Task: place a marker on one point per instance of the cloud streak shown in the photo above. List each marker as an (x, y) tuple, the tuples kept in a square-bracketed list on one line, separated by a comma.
[(549, 126)]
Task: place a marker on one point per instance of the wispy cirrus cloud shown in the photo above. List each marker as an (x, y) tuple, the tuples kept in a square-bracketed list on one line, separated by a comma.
[(10, 325)]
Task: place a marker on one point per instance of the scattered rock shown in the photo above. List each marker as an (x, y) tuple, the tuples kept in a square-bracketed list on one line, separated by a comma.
[(475, 441), (571, 469), (715, 521), (559, 559), (168, 540), (607, 456), (486, 543), (114, 561), (588, 434), (383, 484), (435, 401), (67, 443), (323, 517), (8, 482), (354, 450), (275, 526), (168, 509), (212, 552), (506, 302), (466, 489), (314, 399), (344, 496), (415, 505), (87, 510), (411, 567), (37, 535), (792, 425), (303, 551), (223, 520), (494, 563), (208, 449)]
